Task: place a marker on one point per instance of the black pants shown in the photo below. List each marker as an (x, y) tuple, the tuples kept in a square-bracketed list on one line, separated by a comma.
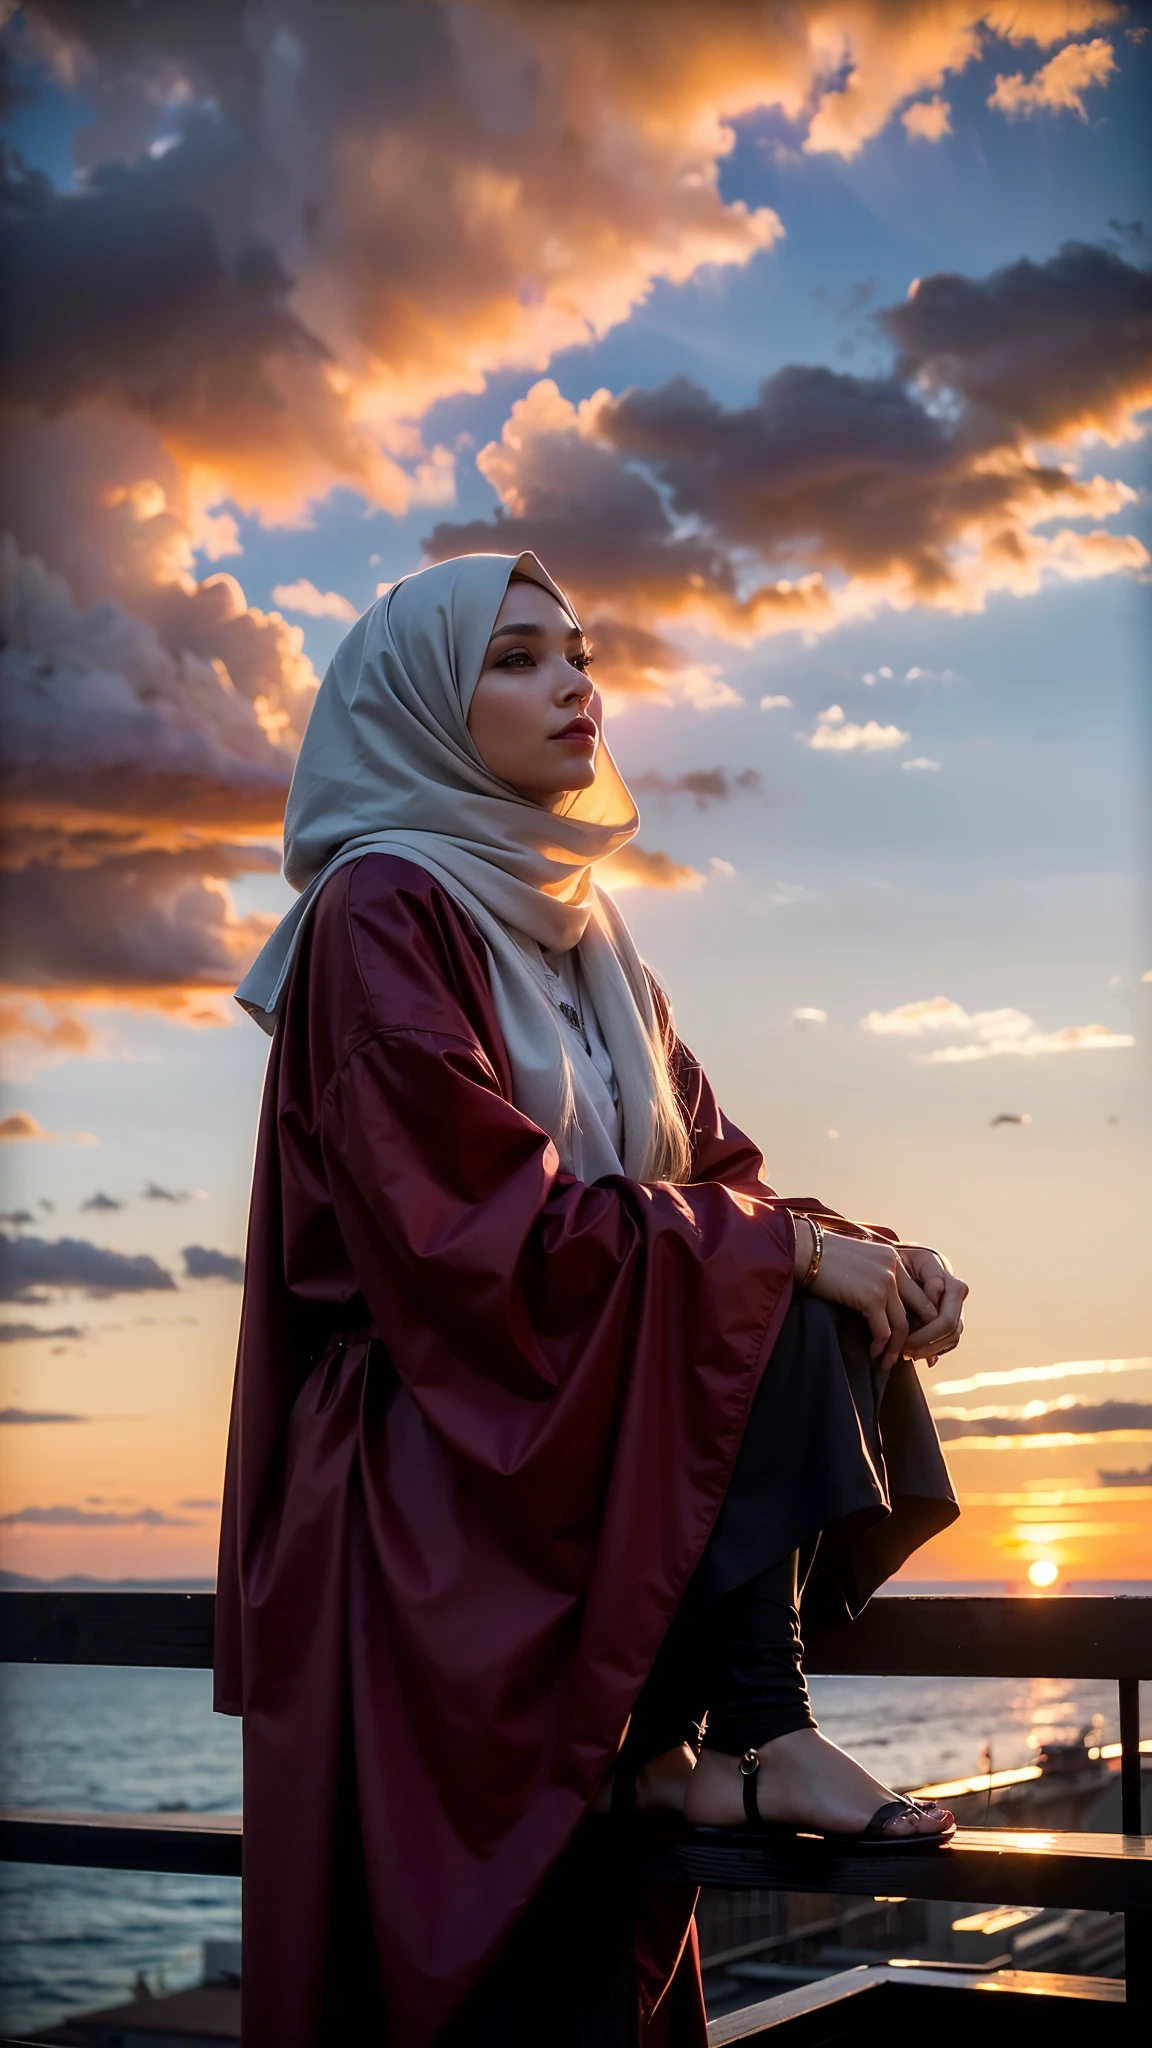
[(730, 1666), (811, 1476)]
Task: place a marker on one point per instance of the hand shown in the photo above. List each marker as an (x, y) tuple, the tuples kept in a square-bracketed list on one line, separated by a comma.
[(935, 1277), (873, 1279)]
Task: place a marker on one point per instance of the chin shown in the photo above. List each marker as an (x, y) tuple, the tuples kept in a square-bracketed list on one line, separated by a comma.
[(576, 774)]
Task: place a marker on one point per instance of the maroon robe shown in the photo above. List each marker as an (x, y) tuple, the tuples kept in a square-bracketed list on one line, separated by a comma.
[(484, 1419)]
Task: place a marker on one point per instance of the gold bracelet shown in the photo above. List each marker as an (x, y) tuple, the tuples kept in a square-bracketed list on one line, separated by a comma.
[(817, 1249)]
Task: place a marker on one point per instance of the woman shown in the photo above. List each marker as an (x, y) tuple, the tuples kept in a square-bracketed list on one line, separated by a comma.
[(544, 1398)]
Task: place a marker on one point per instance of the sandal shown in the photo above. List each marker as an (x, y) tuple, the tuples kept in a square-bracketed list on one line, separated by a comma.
[(871, 1837)]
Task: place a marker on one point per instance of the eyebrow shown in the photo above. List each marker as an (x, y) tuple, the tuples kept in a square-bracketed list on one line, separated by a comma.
[(538, 631)]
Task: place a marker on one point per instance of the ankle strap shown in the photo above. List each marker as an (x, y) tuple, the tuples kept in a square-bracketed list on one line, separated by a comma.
[(749, 1769)]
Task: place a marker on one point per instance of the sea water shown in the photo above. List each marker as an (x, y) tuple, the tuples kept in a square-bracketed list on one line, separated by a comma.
[(119, 1741), (129, 1740)]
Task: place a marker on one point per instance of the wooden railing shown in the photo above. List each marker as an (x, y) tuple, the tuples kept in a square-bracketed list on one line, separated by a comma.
[(1057, 1637)]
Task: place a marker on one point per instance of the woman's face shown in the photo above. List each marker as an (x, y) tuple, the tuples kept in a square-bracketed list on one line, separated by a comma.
[(534, 717)]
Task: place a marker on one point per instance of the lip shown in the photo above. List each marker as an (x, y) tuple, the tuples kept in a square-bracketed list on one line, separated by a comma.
[(578, 731)]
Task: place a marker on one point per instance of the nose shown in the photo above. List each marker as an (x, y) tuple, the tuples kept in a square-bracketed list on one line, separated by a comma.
[(578, 686)]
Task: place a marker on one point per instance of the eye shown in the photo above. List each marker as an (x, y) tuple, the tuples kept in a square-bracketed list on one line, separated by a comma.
[(583, 660), (516, 657)]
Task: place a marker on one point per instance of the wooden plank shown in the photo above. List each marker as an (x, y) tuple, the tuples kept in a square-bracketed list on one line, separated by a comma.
[(773, 2015), (1065, 1636), (1045, 1990), (205, 1844), (1107, 1873), (1016, 1867), (170, 1629)]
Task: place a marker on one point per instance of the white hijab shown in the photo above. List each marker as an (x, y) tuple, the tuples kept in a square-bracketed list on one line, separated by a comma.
[(387, 765)]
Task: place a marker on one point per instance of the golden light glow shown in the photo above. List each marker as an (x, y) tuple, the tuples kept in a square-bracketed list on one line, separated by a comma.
[(1041, 1497), (995, 1919), (1043, 1572)]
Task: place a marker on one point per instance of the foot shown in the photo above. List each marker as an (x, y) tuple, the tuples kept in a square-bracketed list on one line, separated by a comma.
[(660, 1784), (804, 1781)]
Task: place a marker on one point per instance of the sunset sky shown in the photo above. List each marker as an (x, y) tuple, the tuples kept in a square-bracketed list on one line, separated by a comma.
[(810, 347)]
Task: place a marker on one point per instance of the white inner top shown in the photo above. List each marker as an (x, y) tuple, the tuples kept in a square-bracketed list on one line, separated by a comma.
[(566, 984)]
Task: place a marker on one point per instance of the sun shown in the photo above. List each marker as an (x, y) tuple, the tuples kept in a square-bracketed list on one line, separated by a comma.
[(1043, 1572)]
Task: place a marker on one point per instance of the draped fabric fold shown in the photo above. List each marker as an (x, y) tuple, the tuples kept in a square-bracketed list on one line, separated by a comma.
[(485, 1417)]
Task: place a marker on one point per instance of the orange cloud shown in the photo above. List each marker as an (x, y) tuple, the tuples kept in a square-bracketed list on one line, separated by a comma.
[(839, 735), (890, 53), (987, 1034), (37, 1033), (20, 1126), (634, 868), (1059, 85), (315, 604), (928, 120)]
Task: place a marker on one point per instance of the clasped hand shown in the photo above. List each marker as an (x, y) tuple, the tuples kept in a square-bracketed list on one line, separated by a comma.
[(907, 1294)]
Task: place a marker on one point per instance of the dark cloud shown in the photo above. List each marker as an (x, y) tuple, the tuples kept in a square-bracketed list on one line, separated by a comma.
[(602, 527), (606, 533), (829, 472), (147, 925), (204, 1506), (31, 1333), (150, 290), (124, 763), (201, 1263), (832, 493), (804, 473), (1080, 1418), (101, 1201), (140, 59), (18, 1415), (30, 1265), (705, 785), (1045, 347), (86, 1518), (16, 1218), (1141, 1476), (108, 733), (632, 659), (123, 289), (153, 1192)]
